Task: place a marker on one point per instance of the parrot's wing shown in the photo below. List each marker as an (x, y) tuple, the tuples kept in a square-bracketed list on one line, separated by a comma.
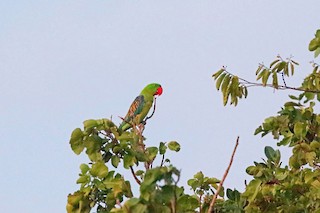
[(135, 108)]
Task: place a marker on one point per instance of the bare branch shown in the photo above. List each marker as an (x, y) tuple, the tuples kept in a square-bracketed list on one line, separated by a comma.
[(223, 178)]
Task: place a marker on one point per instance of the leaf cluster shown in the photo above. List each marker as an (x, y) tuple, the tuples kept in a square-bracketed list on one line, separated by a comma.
[(281, 189), (230, 86), (278, 66), (107, 147), (234, 88)]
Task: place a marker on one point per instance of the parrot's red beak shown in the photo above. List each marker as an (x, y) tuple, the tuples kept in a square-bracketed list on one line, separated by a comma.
[(159, 91)]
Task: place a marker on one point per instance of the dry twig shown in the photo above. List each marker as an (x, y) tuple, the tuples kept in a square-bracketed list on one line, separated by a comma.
[(223, 178)]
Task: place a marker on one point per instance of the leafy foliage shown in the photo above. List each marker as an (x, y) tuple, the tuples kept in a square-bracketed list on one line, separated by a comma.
[(107, 148), (274, 187)]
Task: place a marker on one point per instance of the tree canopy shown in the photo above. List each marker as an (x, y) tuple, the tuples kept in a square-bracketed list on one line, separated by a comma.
[(274, 187)]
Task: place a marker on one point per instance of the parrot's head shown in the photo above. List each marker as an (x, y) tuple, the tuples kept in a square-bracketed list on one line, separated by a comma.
[(154, 89)]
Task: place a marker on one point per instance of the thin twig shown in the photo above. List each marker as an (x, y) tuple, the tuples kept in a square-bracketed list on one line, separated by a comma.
[(200, 198), (162, 161), (223, 178), (174, 203), (284, 82), (135, 176), (154, 109), (280, 87)]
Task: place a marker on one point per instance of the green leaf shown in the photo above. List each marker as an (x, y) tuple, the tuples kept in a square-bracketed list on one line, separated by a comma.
[(212, 180), (132, 202), (217, 74), (230, 194), (281, 175), (83, 179), (84, 168), (300, 129), (310, 158), (244, 91), (259, 69), (225, 84), (253, 189), (265, 78), (309, 95), (281, 66), (275, 80), (174, 146), (193, 183), (315, 145), (78, 202), (293, 162), (219, 80), (290, 103), (93, 145), (162, 148), (314, 44), (292, 68), (99, 170), (89, 124), (139, 172), (226, 95), (293, 97), (115, 160), (187, 203), (317, 52), (199, 176), (270, 153), (262, 73), (258, 130), (251, 170), (128, 160), (286, 69), (285, 141), (274, 62), (151, 152), (116, 185), (76, 141)]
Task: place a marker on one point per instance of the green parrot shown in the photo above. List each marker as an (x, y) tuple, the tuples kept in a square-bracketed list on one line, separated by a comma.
[(141, 106)]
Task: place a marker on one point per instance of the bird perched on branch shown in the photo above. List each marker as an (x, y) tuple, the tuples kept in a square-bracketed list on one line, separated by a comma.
[(141, 106)]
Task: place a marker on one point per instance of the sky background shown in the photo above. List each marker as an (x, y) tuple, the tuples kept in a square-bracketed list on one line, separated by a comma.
[(62, 62)]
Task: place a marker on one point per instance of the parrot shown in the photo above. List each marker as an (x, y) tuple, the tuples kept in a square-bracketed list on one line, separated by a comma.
[(141, 106)]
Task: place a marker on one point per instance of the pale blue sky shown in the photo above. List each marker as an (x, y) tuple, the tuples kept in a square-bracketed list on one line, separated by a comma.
[(63, 62)]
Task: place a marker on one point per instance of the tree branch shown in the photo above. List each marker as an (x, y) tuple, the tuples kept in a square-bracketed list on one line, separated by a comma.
[(162, 161), (223, 178), (280, 87), (135, 176), (174, 202)]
